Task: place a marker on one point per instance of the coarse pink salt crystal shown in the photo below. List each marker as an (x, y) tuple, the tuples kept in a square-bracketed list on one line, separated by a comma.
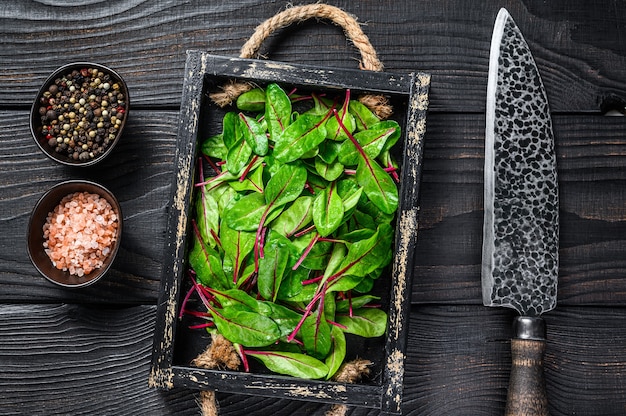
[(79, 233)]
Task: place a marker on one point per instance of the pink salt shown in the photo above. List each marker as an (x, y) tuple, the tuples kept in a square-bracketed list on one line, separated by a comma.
[(79, 233)]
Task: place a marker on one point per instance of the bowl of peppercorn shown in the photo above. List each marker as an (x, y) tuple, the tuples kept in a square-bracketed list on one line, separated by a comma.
[(74, 233), (79, 113)]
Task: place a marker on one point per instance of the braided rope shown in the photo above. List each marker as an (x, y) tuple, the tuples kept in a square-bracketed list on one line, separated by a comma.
[(352, 29)]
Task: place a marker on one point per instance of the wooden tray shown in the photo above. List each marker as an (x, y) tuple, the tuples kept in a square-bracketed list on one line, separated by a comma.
[(175, 345)]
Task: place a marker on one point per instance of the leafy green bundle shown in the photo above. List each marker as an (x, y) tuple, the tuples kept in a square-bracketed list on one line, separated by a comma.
[(294, 228)]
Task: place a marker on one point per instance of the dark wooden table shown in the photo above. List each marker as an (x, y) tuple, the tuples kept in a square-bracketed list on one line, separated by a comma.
[(88, 351)]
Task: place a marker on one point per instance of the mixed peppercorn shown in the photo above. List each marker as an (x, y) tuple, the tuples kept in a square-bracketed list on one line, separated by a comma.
[(82, 113)]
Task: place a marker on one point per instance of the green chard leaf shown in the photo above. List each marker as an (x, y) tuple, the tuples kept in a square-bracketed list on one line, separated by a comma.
[(278, 256), (327, 210), (238, 156), (278, 110), (235, 298), (377, 185), (214, 147), (372, 141), (246, 213), (285, 318), (315, 334), (286, 185), (229, 129), (334, 130), (293, 364), (363, 116), (337, 352), (250, 329), (297, 216), (253, 100), (302, 136), (356, 302), (328, 171), (366, 322), (365, 256), (207, 214), (237, 245), (254, 134), (207, 264)]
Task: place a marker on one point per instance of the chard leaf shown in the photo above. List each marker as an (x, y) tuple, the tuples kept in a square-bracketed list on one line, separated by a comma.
[(328, 150), (207, 264), (393, 138), (363, 116), (377, 185), (355, 302), (253, 100), (285, 318), (229, 130), (246, 213), (224, 195), (214, 147), (334, 130), (293, 290), (278, 256), (320, 105), (336, 258), (207, 217), (374, 212), (286, 184), (327, 211), (372, 141), (367, 255), (344, 283), (236, 298), (337, 352), (293, 364), (278, 110), (254, 134), (365, 286), (249, 329), (253, 182), (366, 322), (236, 245), (318, 256), (295, 217), (300, 137), (328, 171), (238, 156), (315, 334)]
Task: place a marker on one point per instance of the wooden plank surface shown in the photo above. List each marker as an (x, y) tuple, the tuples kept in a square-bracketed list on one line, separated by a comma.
[(577, 45), (69, 355), (56, 343), (592, 167)]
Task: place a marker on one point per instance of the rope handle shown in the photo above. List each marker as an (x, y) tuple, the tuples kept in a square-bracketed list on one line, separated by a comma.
[(369, 59)]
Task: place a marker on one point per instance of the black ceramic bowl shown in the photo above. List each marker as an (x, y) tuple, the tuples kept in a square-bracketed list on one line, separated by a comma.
[(36, 250), (79, 113)]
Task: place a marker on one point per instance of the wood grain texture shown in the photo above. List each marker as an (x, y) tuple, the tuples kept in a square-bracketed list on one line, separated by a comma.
[(577, 46), (72, 359), (458, 358), (591, 161), (138, 173), (592, 181)]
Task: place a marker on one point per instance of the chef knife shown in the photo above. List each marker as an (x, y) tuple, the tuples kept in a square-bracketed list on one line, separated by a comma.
[(521, 223)]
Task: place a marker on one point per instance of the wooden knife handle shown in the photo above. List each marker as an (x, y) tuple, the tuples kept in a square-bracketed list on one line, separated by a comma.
[(527, 387)]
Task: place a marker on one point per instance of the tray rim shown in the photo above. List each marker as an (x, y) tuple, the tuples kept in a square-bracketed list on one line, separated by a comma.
[(388, 395)]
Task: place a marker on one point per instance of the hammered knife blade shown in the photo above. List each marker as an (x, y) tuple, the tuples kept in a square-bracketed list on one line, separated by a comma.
[(521, 213)]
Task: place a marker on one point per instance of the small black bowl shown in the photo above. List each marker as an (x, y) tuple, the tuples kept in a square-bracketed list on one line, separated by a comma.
[(36, 238), (79, 89)]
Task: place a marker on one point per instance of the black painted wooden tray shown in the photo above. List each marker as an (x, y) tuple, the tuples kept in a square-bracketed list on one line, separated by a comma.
[(175, 345)]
